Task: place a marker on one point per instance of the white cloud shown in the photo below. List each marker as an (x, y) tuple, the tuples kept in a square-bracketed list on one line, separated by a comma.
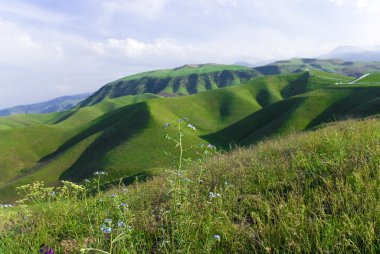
[(132, 48), (20, 48), (148, 9)]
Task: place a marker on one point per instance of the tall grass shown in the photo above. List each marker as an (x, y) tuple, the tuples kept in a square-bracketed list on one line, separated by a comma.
[(316, 192)]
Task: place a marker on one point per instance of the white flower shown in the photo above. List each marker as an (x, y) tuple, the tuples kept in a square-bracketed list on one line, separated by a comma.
[(108, 221), (214, 195), (211, 146), (217, 237), (100, 173), (191, 127)]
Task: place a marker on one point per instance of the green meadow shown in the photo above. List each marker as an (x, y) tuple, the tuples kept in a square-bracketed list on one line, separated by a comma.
[(311, 192), (199, 159), (117, 134)]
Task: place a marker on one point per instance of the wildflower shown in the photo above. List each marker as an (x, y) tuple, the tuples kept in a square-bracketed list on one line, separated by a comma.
[(107, 230), (53, 193), (121, 224), (211, 146), (87, 181), (108, 220), (122, 205), (192, 127), (217, 237), (214, 195), (100, 173), (114, 195), (166, 125), (183, 119), (179, 173), (46, 249)]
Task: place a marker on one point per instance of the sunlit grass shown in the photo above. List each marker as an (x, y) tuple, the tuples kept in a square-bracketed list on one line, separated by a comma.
[(305, 193)]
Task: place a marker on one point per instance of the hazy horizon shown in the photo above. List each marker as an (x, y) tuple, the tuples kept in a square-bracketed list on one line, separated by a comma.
[(54, 48)]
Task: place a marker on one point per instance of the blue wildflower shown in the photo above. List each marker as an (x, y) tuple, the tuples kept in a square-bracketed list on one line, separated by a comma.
[(121, 224)]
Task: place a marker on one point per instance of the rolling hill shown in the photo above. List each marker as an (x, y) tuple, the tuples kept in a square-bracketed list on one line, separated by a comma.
[(124, 135), (185, 80), (297, 65)]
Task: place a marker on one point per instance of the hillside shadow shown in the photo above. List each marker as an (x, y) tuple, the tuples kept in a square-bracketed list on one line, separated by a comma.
[(296, 87), (256, 126), (346, 106), (116, 128)]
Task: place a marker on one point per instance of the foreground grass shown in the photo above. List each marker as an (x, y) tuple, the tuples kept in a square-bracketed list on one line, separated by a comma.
[(315, 192)]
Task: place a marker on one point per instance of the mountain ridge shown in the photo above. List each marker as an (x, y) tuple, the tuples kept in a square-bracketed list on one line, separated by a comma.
[(58, 104)]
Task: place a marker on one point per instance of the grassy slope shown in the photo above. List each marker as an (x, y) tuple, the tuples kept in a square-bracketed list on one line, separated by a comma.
[(23, 145), (301, 112), (372, 78), (314, 192), (296, 65), (120, 140), (185, 80), (108, 143)]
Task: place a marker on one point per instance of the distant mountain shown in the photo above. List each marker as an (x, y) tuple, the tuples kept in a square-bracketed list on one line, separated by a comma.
[(243, 63), (184, 80), (54, 105), (350, 53), (298, 65)]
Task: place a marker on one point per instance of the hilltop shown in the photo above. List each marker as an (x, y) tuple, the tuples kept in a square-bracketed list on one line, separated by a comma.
[(297, 65), (185, 80)]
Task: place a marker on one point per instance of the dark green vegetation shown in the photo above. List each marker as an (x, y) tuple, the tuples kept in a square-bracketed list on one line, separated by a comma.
[(185, 80), (296, 65), (311, 192), (124, 135), (56, 105)]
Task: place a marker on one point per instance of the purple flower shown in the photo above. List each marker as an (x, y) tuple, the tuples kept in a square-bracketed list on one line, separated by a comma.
[(46, 249)]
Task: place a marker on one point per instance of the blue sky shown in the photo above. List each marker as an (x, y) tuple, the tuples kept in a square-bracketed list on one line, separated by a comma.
[(50, 48)]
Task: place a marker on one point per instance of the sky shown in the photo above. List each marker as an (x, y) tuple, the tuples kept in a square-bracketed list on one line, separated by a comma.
[(50, 48)]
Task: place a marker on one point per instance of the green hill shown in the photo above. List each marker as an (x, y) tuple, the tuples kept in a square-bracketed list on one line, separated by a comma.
[(185, 80), (124, 136), (297, 65)]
